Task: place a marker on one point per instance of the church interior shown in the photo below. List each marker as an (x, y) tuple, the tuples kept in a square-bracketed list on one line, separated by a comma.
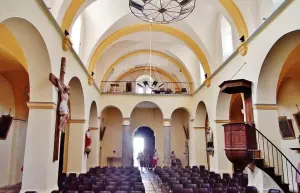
[(149, 96)]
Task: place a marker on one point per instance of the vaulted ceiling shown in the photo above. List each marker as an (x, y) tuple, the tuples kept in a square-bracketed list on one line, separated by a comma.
[(113, 40)]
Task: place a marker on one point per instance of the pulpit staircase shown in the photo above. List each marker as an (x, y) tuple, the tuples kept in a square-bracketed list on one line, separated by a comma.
[(273, 162)]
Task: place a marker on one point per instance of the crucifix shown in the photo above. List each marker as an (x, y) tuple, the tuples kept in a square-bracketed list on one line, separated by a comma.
[(62, 112)]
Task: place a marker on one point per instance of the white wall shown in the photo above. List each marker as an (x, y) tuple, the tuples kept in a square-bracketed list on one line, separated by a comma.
[(112, 140), (288, 97), (7, 102), (150, 117)]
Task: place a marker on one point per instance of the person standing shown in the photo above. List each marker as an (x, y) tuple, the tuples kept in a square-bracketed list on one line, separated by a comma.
[(141, 159), (147, 160), (154, 159), (173, 158)]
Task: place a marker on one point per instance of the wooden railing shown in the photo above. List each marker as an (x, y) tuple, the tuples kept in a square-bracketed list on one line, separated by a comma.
[(146, 87)]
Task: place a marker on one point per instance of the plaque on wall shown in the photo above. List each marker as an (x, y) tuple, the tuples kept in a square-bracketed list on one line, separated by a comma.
[(286, 128)]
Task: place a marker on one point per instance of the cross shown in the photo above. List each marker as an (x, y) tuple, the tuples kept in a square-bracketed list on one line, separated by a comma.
[(54, 81)]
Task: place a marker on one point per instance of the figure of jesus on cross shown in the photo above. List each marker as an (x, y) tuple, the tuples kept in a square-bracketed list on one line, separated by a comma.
[(62, 113), (63, 106)]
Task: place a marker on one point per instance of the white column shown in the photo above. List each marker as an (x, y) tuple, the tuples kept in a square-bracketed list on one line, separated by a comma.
[(192, 144), (199, 137), (127, 149), (93, 159), (76, 156), (167, 142), (223, 164), (40, 172), (19, 128)]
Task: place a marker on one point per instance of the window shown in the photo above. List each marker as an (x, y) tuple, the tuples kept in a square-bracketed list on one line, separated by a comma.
[(226, 36), (76, 34), (140, 88)]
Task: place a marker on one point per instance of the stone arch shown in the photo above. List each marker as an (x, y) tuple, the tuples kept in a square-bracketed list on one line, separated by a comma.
[(93, 158), (180, 127), (198, 137), (36, 56), (93, 116), (146, 104), (149, 114), (110, 106), (272, 66), (201, 115), (77, 110), (112, 127)]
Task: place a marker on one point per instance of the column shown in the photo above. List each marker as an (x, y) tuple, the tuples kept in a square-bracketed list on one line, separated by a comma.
[(127, 149), (222, 164), (76, 156), (192, 144), (40, 172), (167, 142), (18, 128), (93, 159)]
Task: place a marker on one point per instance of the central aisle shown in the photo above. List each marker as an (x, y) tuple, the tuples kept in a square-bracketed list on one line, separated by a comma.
[(150, 183)]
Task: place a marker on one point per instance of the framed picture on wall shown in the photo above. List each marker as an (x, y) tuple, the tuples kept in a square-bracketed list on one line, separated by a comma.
[(297, 119), (286, 128)]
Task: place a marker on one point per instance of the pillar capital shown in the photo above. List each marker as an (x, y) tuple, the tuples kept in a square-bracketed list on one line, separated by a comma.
[(167, 122), (41, 105), (94, 128), (265, 107), (77, 121), (222, 121), (126, 121)]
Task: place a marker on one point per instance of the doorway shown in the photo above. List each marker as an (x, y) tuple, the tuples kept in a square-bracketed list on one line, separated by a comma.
[(143, 140)]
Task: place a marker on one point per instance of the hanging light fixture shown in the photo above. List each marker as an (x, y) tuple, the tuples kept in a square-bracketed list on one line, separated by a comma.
[(161, 11)]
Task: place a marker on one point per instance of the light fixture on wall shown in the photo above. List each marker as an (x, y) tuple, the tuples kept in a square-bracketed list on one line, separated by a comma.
[(161, 11)]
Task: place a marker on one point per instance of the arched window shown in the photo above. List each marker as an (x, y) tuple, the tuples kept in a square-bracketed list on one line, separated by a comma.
[(140, 87), (76, 34), (226, 36)]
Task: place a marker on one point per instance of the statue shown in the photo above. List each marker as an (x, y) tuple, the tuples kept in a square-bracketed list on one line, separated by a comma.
[(63, 106), (210, 141), (88, 142)]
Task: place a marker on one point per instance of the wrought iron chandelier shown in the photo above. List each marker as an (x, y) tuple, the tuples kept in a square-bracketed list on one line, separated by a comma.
[(161, 11)]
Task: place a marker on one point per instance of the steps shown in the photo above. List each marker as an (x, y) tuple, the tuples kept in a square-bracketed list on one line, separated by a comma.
[(259, 162)]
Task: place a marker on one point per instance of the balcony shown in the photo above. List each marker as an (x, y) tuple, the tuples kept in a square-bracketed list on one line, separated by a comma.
[(146, 88)]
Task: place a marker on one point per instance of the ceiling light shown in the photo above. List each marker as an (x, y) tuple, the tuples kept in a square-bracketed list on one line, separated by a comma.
[(161, 11)]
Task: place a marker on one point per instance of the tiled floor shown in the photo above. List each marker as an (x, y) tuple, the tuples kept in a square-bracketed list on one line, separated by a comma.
[(150, 182)]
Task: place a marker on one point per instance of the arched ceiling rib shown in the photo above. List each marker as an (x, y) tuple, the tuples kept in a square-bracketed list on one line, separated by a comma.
[(77, 6), (117, 51), (146, 51), (145, 27)]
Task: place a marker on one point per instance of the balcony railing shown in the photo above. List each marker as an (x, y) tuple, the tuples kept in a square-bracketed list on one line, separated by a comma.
[(146, 87)]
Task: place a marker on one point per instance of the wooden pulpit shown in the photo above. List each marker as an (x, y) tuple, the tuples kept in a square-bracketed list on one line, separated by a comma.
[(240, 138)]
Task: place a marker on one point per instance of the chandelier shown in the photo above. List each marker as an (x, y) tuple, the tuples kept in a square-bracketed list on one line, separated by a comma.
[(161, 11)]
